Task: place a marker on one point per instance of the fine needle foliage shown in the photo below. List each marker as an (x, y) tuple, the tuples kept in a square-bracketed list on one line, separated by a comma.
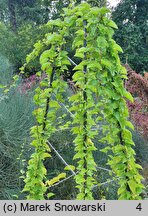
[(15, 122), (100, 95)]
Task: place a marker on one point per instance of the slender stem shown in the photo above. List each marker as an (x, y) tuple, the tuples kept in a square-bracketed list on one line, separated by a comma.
[(47, 102), (123, 144), (84, 107)]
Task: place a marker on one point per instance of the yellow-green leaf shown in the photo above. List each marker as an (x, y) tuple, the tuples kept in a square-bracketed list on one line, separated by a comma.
[(128, 96), (132, 184), (70, 167), (112, 24), (130, 125), (61, 175)]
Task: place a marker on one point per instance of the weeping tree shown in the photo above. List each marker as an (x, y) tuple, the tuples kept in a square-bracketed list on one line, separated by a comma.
[(100, 95)]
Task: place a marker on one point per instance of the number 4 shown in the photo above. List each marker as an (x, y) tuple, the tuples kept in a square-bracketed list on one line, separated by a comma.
[(139, 207)]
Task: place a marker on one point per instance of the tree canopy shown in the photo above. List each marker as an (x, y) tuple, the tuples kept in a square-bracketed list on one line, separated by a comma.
[(132, 19), (22, 21)]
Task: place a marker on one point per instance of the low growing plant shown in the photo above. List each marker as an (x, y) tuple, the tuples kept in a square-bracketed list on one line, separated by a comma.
[(15, 122)]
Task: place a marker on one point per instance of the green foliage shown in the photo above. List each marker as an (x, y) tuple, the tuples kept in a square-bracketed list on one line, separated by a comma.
[(15, 122), (14, 45), (131, 18), (5, 71), (52, 58), (101, 94), (7, 38), (21, 24), (16, 12)]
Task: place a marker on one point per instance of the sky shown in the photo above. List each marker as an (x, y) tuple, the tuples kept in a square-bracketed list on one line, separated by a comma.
[(114, 2)]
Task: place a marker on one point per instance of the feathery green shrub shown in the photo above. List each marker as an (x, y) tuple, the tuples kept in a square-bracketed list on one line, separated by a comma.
[(15, 121)]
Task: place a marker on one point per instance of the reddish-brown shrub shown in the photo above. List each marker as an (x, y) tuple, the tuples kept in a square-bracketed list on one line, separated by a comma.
[(137, 85)]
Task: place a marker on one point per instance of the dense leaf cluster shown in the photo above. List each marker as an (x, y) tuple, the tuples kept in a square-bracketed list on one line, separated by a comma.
[(137, 85), (131, 17), (101, 94)]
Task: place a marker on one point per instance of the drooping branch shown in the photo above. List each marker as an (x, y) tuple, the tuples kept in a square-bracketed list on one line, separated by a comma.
[(47, 101), (84, 107)]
